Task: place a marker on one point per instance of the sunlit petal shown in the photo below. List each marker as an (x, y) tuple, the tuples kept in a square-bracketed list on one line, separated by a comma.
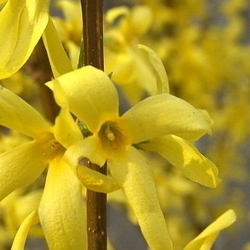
[(90, 94), (136, 178), (59, 61), (61, 210), (66, 131), (205, 240), (162, 78), (96, 181), (22, 25), (21, 166), (19, 115), (89, 148), (22, 233), (186, 158), (165, 114)]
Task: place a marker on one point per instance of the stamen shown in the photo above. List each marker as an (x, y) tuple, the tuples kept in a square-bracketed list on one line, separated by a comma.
[(54, 144), (109, 133)]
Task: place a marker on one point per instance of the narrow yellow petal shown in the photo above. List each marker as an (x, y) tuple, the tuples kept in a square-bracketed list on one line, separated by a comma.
[(22, 233), (22, 25), (18, 115), (96, 181), (88, 148), (205, 240), (21, 166), (90, 94), (186, 158), (65, 130), (165, 114), (58, 58), (114, 13), (162, 78), (61, 210), (136, 177)]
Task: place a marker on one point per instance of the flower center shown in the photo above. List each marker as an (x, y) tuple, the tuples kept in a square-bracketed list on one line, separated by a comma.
[(50, 147), (109, 133), (112, 137)]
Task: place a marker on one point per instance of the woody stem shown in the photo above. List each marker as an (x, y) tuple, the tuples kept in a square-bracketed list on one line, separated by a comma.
[(92, 15)]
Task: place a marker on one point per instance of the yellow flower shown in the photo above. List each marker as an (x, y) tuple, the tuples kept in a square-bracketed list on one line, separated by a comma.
[(159, 123), (61, 205), (130, 70), (206, 238), (122, 57), (22, 24)]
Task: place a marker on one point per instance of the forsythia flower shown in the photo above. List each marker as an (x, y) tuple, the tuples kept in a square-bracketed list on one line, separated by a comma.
[(22, 25), (129, 67), (206, 238), (23, 22), (159, 123), (23, 164)]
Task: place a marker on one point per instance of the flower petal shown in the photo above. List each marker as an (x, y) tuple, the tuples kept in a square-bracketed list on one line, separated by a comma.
[(58, 58), (66, 130), (22, 233), (61, 210), (186, 158), (136, 178), (21, 166), (162, 78), (89, 148), (165, 114), (205, 240), (114, 13), (90, 94), (96, 181), (22, 25), (18, 115)]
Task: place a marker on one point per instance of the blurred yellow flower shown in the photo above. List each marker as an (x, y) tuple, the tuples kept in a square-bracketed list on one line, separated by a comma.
[(127, 64), (129, 67)]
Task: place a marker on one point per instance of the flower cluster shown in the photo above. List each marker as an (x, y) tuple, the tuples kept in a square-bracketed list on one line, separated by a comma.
[(90, 128)]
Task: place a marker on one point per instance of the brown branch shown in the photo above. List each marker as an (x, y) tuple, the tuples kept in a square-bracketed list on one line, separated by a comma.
[(92, 14)]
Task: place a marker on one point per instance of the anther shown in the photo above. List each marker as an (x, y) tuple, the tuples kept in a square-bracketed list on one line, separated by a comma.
[(54, 144), (109, 133)]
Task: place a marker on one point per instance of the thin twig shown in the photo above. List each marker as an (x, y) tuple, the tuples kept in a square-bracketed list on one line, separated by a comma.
[(92, 14)]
